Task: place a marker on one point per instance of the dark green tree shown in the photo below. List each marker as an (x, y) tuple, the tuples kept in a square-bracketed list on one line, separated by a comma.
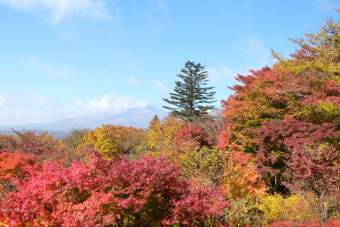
[(191, 97)]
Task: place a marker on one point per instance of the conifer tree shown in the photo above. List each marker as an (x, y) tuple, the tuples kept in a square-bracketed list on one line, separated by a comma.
[(191, 97)]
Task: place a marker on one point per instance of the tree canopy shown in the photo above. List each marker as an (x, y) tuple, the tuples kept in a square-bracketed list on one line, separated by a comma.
[(191, 97)]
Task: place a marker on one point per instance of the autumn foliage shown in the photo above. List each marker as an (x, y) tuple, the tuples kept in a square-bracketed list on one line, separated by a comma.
[(161, 133), (241, 178), (147, 191), (111, 140), (195, 133), (41, 146), (288, 116), (270, 157), (13, 166)]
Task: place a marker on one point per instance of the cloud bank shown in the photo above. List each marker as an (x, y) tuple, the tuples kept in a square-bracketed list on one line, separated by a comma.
[(111, 103), (48, 70), (61, 9)]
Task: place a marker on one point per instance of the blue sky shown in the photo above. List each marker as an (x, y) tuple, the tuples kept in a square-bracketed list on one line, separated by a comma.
[(66, 58)]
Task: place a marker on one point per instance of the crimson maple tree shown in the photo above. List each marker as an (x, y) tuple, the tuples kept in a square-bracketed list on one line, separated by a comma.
[(146, 191)]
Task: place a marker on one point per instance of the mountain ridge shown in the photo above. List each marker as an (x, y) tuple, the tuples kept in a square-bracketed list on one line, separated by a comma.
[(135, 117)]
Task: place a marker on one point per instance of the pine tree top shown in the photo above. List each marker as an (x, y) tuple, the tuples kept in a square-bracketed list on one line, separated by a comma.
[(191, 96)]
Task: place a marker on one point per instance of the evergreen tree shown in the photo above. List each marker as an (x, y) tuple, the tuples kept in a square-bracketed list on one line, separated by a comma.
[(191, 98), (155, 118)]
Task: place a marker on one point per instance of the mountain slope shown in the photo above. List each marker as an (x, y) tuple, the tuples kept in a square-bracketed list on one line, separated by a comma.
[(136, 117)]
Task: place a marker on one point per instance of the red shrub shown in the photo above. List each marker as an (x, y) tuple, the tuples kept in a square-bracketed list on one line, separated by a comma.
[(145, 191)]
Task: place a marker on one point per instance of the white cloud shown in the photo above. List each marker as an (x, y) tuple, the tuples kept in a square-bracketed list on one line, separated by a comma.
[(111, 103), (160, 88), (20, 118), (222, 72), (53, 71), (65, 35), (254, 48), (27, 99), (151, 18), (133, 81), (27, 108), (131, 62), (156, 25), (325, 5), (32, 99), (162, 6), (2, 100), (60, 9)]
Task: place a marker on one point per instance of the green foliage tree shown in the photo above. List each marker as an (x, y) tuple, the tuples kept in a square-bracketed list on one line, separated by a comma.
[(191, 98)]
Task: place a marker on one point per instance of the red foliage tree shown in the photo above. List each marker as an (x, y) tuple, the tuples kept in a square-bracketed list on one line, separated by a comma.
[(255, 102), (42, 147), (199, 203), (195, 133), (296, 145), (119, 192)]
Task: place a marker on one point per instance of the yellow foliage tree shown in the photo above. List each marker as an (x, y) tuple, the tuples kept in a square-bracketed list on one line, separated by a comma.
[(320, 50), (160, 134), (294, 208), (204, 167), (111, 140), (154, 133)]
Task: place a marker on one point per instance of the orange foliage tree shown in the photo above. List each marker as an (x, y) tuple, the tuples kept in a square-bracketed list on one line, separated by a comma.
[(241, 178), (12, 165), (251, 106)]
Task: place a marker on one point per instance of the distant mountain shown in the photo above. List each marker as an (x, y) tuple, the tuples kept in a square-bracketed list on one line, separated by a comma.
[(135, 117), (56, 134)]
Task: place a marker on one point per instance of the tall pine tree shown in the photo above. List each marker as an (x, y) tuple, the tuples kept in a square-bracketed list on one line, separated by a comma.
[(191, 97)]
